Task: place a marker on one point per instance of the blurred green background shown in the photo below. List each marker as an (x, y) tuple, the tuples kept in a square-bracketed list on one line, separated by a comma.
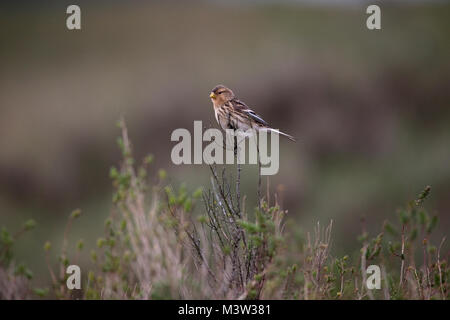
[(370, 108)]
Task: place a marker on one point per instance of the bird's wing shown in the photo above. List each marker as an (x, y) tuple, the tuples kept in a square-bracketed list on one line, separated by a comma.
[(242, 108), (256, 117)]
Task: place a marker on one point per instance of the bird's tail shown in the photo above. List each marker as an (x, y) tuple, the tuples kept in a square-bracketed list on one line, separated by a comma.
[(279, 132)]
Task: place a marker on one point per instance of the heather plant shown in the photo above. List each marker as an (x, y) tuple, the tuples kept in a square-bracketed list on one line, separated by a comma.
[(14, 277), (164, 242)]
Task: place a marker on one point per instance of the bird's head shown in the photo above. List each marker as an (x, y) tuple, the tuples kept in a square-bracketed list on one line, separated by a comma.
[(221, 94)]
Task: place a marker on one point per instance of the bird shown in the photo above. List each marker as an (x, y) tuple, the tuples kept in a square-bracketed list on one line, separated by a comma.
[(232, 113)]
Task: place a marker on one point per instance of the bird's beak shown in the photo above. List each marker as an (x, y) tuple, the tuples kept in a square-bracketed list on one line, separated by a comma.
[(212, 95)]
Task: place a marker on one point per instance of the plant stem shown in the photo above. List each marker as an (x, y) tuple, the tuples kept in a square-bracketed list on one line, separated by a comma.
[(402, 256)]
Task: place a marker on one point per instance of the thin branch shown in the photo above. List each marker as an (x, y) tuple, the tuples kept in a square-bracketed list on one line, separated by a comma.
[(439, 268)]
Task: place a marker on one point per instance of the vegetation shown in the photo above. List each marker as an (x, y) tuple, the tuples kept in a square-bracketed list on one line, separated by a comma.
[(154, 247)]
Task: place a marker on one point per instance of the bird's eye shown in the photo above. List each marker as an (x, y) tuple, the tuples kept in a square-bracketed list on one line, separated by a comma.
[(220, 92)]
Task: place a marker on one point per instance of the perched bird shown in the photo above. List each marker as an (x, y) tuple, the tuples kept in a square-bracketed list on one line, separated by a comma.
[(232, 113)]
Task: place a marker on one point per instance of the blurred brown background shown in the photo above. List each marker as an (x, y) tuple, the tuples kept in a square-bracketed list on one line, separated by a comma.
[(370, 108)]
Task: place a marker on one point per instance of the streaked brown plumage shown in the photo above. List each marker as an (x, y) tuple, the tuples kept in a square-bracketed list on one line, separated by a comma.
[(232, 113)]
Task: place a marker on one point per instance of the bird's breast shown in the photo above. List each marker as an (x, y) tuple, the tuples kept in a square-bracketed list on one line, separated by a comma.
[(216, 114)]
